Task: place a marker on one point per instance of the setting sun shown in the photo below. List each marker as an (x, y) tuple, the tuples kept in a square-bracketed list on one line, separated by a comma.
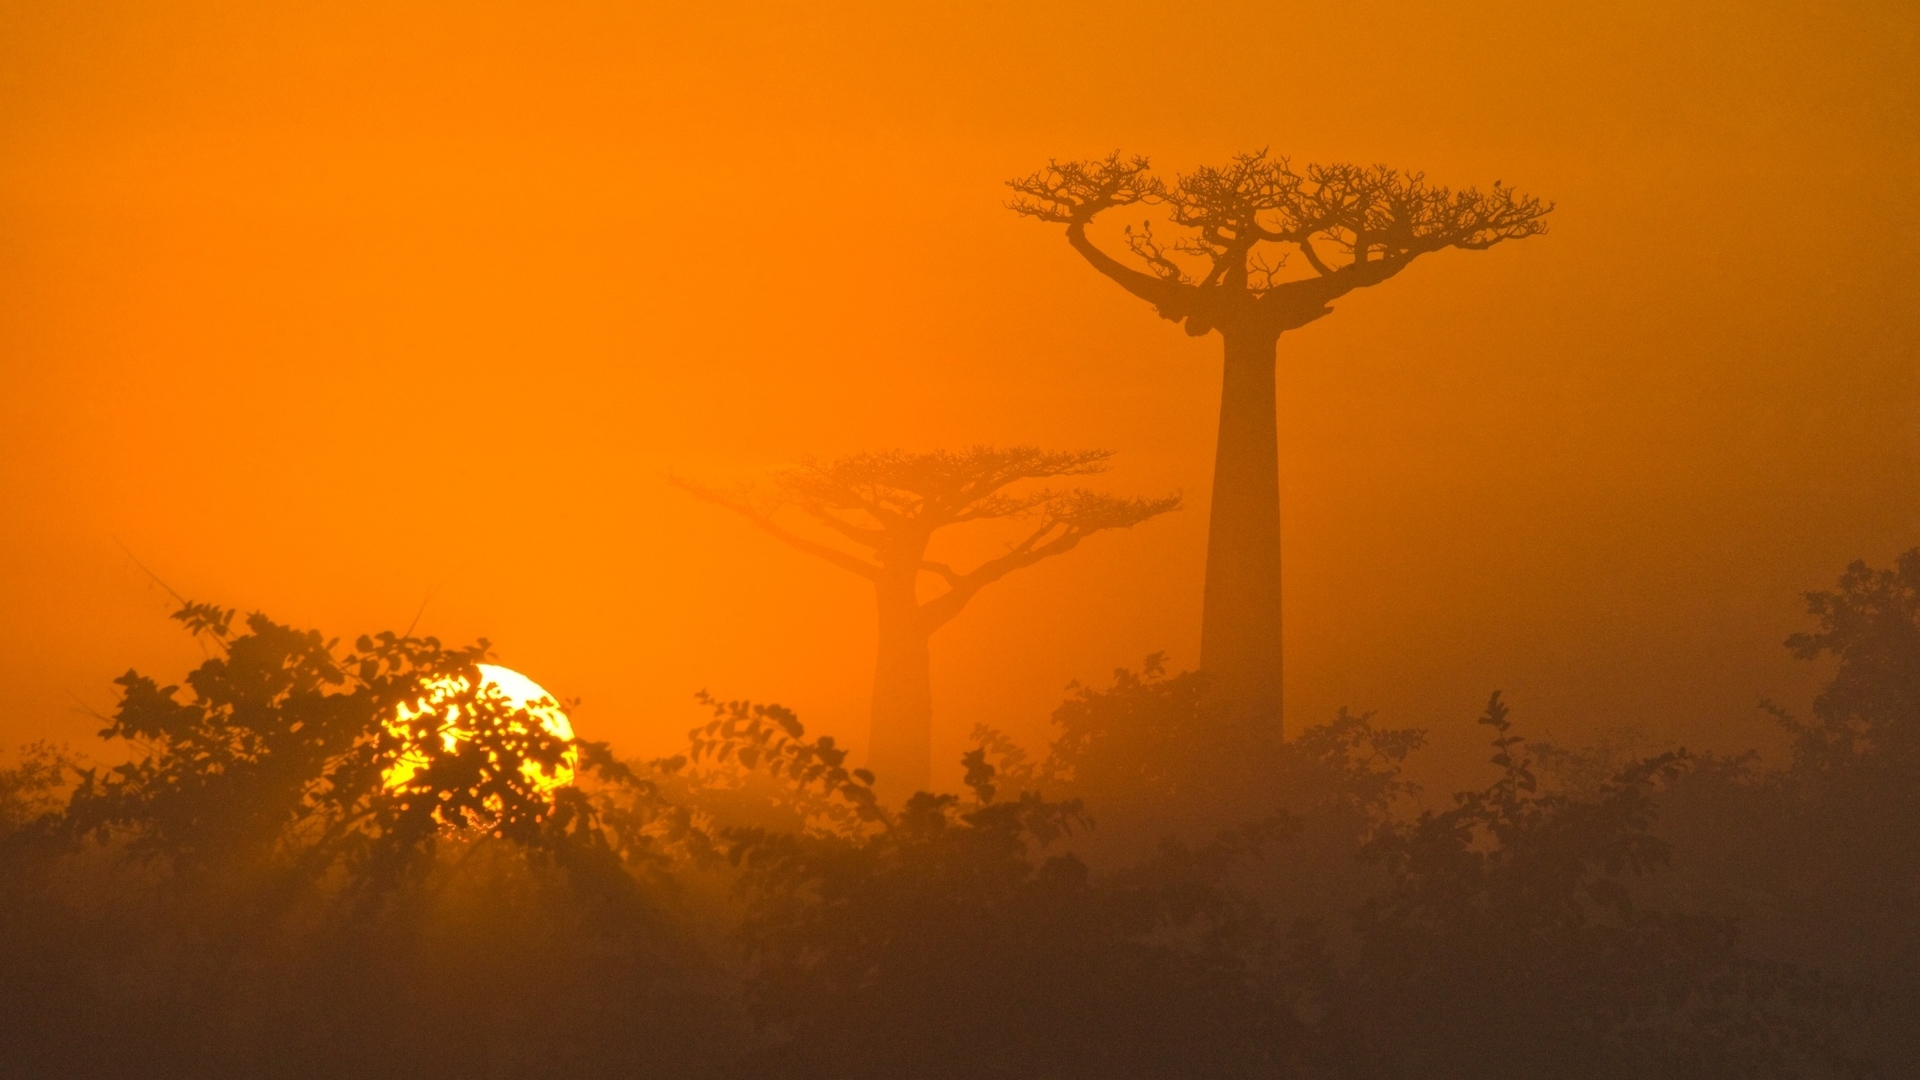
[(521, 694)]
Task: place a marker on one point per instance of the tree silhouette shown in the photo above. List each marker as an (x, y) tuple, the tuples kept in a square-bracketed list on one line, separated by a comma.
[(1515, 937), (1354, 226), (253, 893), (889, 505), (277, 746)]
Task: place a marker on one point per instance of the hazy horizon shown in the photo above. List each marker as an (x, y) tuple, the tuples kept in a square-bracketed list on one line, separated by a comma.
[(319, 313)]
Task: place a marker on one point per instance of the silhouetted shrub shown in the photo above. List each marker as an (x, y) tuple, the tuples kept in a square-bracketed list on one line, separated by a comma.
[(1509, 942), (1168, 891)]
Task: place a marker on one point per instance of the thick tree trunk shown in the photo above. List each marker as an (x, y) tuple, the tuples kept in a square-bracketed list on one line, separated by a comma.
[(900, 751), (1240, 619)]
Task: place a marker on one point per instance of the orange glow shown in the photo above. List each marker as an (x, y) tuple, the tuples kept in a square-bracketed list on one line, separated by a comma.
[(519, 691), (269, 271)]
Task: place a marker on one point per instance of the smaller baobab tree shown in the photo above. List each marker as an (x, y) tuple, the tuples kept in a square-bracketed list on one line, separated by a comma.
[(881, 511)]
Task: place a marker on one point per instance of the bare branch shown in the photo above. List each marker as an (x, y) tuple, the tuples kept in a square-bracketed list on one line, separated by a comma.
[(1232, 208), (1142, 244), (764, 519), (1263, 273), (1071, 517), (947, 573), (1305, 244), (1402, 215), (865, 535), (1073, 192), (1164, 294)]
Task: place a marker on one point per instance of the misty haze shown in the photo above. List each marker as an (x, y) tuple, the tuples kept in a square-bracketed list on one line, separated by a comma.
[(861, 541)]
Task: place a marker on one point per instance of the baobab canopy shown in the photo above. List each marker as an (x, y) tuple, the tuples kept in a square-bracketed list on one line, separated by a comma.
[(1236, 227), (886, 507)]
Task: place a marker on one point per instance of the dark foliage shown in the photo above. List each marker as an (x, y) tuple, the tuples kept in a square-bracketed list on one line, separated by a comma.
[(1818, 860), (1509, 932), (1165, 892), (246, 897)]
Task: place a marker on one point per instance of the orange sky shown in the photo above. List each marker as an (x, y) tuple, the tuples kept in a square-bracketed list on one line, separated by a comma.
[(316, 310)]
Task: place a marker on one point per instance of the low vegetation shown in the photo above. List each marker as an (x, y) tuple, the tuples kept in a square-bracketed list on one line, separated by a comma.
[(1166, 890)]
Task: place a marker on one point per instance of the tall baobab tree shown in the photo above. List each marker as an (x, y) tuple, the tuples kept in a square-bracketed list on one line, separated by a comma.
[(1226, 272), (886, 507)]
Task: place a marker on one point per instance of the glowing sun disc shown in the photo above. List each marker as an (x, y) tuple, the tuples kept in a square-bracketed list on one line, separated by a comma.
[(519, 691)]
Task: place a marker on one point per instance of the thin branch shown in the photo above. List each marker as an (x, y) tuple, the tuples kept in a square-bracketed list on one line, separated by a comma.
[(423, 606), (1141, 243), (940, 610), (1073, 193), (947, 573), (1160, 292), (87, 709), (171, 591), (841, 559), (145, 570), (1072, 517), (1305, 243), (864, 535)]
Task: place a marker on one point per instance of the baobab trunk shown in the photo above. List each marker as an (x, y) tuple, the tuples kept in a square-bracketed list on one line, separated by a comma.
[(900, 748), (1240, 614)]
